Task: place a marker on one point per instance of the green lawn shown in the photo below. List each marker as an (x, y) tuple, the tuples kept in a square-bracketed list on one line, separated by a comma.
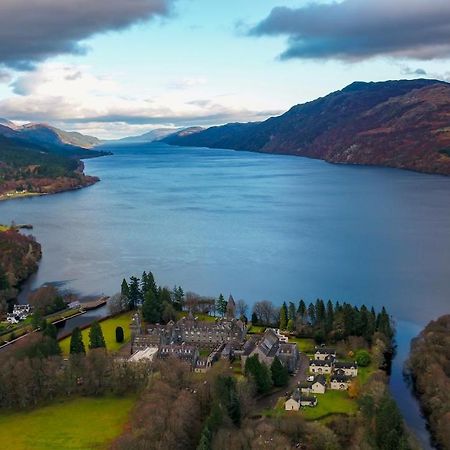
[(201, 317), (332, 402), (365, 372), (256, 329), (305, 345), (81, 424), (109, 332)]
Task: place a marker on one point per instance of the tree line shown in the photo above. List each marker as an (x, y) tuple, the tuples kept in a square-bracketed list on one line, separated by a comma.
[(325, 322)]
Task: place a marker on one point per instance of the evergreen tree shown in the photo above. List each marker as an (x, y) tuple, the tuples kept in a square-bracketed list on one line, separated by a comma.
[(221, 305), (320, 312), (260, 373), (254, 318), (134, 293), (50, 331), (280, 375), (119, 335), (178, 298), (312, 314), (283, 316), (301, 310), (384, 324), (124, 289), (389, 429), (76, 342), (291, 325), (151, 308), (330, 317), (291, 312), (227, 396), (96, 339)]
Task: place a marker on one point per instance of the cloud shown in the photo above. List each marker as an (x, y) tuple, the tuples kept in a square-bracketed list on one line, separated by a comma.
[(34, 31), (186, 83), (406, 70), (354, 30), (5, 76), (72, 97)]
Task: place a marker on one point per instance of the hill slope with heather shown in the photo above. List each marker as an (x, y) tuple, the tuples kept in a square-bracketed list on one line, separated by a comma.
[(403, 124)]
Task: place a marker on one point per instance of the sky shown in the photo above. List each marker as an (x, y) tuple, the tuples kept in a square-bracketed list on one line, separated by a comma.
[(114, 68)]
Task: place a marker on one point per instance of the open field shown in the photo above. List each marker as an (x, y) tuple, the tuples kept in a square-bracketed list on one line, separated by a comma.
[(305, 345), (256, 329), (83, 423), (109, 332), (332, 402)]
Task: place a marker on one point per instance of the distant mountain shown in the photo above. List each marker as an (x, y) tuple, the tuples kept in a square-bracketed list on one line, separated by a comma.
[(156, 135), (150, 136), (403, 124), (47, 136)]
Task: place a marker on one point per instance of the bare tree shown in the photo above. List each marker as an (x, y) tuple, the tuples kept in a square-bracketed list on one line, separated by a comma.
[(241, 308), (266, 312), (117, 303)]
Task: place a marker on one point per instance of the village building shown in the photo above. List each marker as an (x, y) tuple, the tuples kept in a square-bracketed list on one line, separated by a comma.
[(323, 353), (186, 353), (298, 400), (147, 354), (321, 366), (190, 331), (268, 347), (339, 382), (346, 368), (317, 386)]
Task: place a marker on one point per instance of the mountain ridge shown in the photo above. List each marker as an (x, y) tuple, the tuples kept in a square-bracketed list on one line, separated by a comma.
[(402, 124)]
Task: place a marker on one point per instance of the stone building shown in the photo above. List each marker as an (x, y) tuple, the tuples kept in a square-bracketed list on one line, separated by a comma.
[(269, 346)]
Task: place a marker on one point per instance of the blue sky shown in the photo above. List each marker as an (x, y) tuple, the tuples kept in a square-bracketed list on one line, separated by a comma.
[(197, 63)]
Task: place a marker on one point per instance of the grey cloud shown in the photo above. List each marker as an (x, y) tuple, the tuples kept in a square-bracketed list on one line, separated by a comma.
[(34, 31), (355, 30), (409, 71), (406, 70), (5, 76)]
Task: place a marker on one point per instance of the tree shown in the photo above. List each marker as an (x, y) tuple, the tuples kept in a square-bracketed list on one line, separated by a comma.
[(266, 312), (4, 284), (283, 316), (280, 375), (389, 430), (291, 312), (151, 308), (117, 303), (221, 305), (134, 294), (96, 339), (290, 325), (124, 289), (178, 298), (169, 313), (119, 335), (149, 284), (312, 314), (254, 318), (76, 342), (301, 310), (241, 308), (259, 372), (363, 358)]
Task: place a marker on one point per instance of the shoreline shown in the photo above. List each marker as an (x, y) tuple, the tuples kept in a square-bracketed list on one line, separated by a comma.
[(19, 195)]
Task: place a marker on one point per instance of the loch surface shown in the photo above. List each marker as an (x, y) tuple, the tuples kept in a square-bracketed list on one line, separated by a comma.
[(257, 226)]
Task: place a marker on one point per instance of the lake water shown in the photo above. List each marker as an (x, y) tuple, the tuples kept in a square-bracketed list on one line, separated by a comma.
[(257, 226)]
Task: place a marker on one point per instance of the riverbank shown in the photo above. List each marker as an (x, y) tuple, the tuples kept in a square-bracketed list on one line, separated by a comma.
[(427, 370), (56, 186)]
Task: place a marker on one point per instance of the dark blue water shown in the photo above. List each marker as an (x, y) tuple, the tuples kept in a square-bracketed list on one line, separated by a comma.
[(257, 226)]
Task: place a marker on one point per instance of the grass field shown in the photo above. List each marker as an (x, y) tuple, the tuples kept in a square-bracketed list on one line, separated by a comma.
[(201, 317), (332, 402), (82, 424), (305, 345), (256, 329), (109, 333)]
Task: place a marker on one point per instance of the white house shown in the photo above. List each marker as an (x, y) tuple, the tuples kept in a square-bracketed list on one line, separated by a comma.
[(323, 353), (339, 382), (346, 368), (318, 366), (292, 405)]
